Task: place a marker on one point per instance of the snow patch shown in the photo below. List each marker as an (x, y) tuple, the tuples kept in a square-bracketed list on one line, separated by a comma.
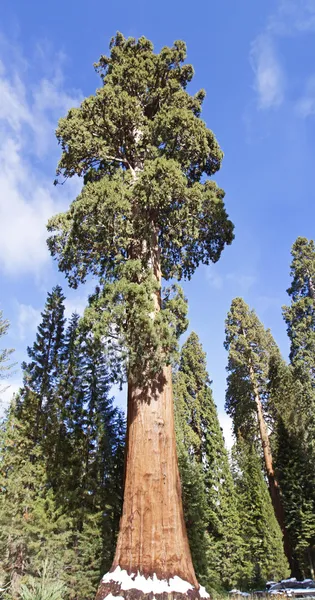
[(150, 584)]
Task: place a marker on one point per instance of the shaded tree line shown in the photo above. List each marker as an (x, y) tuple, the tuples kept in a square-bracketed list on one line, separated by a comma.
[(62, 453)]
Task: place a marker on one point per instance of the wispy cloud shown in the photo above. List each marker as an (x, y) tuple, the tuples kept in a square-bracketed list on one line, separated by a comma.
[(242, 281), (28, 115), (239, 281), (28, 319), (292, 17), (269, 80), (213, 277), (305, 106)]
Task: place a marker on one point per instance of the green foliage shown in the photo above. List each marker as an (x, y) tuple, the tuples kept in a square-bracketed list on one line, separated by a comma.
[(250, 347), (144, 210), (31, 527), (61, 462), (264, 557), (43, 588), (208, 489), (299, 419), (300, 320), (295, 471)]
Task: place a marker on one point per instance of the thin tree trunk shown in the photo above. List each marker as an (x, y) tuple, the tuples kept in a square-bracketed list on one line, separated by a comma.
[(272, 480)]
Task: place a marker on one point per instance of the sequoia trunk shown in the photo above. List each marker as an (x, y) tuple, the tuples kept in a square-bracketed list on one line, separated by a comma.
[(152, 539), (274, 488), (152, 554)]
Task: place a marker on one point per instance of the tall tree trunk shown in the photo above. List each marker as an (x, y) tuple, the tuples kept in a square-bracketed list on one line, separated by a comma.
[(152, 540), (274, 488), (152, 537)]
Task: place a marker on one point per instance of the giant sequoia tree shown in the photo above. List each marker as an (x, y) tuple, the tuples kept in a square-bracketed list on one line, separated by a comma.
[(300, 320), (145, 212), (250, 347)]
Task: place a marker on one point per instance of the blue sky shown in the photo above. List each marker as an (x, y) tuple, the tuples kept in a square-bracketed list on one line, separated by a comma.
[(256, 62)]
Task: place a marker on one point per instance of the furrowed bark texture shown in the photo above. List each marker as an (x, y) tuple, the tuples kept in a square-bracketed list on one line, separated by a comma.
[(152, 536)]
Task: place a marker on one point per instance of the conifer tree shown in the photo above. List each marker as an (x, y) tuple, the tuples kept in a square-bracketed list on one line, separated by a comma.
[(31, 527), (264, 558), (200, 436), (62, 488), (41, 373), (295, 471), (145, 212), (250, 347), (300, 320)]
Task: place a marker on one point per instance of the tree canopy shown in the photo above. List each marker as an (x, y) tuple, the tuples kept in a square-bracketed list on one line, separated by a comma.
[(145, 209)]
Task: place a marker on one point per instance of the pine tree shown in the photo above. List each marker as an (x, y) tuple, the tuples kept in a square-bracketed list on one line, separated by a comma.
[(62, 457), (145, 212), (204, 465), (41, 373), (264, 558), (250, 347)]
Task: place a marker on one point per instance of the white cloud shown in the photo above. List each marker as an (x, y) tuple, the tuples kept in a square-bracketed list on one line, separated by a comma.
[(28, 319), (226, 424), (77, 301), (28, 117), (213, 277), (75, 305), (8, 388), (269, 76), (305, 106), (292, 17), (242, 281)]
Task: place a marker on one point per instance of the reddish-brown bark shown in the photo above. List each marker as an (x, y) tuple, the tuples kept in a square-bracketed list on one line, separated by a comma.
[(152, 536), (274, 488)]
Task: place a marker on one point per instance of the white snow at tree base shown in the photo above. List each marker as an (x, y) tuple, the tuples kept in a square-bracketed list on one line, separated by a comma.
[(150, 584)]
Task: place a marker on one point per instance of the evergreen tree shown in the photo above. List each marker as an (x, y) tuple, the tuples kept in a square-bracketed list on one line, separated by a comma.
[(300, 320), (250, 347), (144, 212), (31, 527), (294, 470), (62, 487), (41, 373), (204, 465), (264, 558)]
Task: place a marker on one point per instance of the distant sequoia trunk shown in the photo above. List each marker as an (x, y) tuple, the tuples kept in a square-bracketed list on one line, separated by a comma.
[(152, 556), (272, 480)]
